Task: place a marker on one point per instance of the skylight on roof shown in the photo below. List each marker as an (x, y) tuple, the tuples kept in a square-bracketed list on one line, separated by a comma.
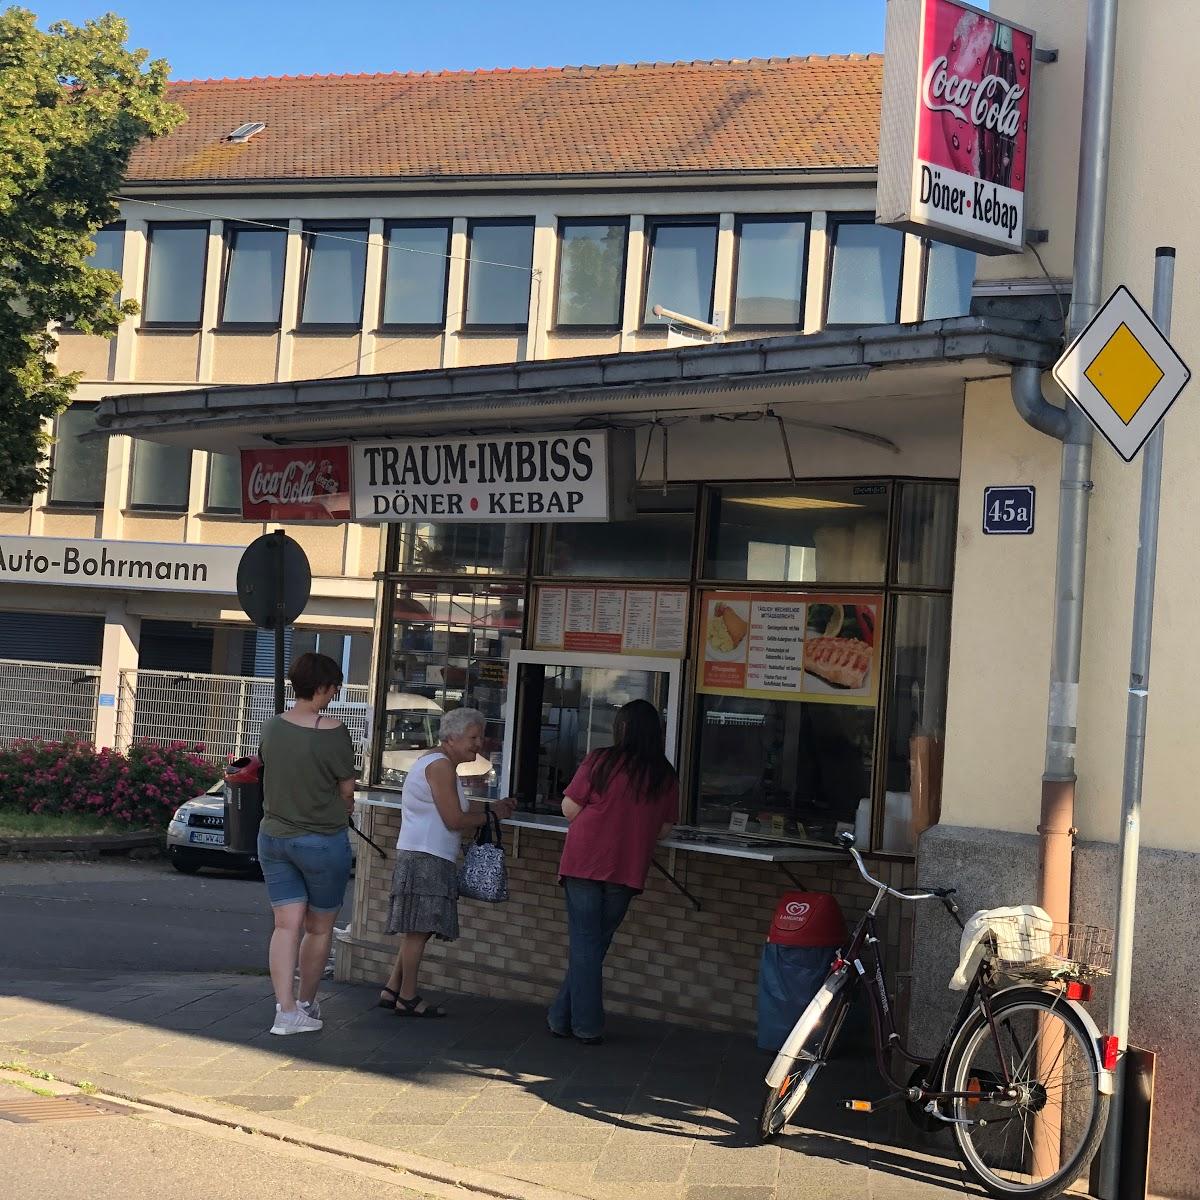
[(243, 133)]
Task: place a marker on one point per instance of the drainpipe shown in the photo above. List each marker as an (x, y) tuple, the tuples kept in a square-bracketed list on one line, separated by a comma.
[(1056, 828)]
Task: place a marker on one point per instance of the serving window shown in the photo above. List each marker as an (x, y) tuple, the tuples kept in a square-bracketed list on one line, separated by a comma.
[(810, 620), (783, 768)]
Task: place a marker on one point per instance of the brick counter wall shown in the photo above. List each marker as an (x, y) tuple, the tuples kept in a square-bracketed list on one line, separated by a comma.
[(667, 962)]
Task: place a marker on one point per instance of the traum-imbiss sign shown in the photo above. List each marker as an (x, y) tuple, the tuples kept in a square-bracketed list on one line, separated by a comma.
[(130, 566), (580, 475)]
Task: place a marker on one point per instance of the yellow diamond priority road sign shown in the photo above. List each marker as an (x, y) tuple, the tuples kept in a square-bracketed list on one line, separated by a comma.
[(1123, 373)]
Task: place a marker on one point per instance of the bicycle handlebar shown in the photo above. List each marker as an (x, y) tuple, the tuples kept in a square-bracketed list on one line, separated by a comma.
[(846, 841)]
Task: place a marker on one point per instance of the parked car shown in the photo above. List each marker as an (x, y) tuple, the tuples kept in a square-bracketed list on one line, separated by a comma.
[(196, 836), (410, 730)]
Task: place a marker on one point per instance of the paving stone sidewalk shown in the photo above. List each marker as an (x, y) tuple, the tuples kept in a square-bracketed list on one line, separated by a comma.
[(658, 1112)]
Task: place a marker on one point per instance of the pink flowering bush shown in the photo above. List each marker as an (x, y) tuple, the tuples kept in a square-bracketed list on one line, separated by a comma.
[(142, 787)]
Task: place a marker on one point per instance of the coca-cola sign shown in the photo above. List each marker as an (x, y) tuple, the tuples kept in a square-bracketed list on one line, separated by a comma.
[(302, 483), (954, 130)]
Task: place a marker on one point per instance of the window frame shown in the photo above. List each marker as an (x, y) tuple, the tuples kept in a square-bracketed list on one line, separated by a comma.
[(474, 223), (923, 295), (558, 326), (743, 219), (307, 241), (209, 510), (383, 326), (228, 237), (833, 222), (653, 225), (132, 507), (173, 326), (67, 505), (67, 324)]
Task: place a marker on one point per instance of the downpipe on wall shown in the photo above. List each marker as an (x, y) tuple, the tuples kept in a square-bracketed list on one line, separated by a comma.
[(1056, 827)]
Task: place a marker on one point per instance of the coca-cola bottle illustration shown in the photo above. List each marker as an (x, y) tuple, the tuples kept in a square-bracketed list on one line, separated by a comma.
[(325, 481), (959, 142), (995, 148)]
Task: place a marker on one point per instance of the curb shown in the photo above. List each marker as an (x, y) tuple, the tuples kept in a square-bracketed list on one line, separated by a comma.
[(486, 1183), (119, 843)]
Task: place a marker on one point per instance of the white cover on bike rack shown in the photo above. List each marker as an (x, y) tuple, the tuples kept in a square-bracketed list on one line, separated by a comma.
[(1033, 923)]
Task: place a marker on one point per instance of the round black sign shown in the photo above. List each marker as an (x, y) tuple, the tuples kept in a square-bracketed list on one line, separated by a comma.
[(273, 580)]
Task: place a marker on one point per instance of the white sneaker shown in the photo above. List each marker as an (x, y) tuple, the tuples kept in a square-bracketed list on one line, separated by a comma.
[(296, 1021), (312, 1007)]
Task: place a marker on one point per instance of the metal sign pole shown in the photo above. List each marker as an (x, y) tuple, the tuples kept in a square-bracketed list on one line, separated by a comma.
[(280, 539), (1135, 739)]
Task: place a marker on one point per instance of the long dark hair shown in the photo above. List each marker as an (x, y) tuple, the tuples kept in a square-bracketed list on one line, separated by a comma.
[(638, 750)]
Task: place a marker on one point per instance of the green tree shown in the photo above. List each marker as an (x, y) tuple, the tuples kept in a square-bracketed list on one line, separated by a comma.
[(74, 102)]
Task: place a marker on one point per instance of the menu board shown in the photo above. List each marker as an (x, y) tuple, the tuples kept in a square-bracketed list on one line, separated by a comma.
[(790, 646), (611, 620)]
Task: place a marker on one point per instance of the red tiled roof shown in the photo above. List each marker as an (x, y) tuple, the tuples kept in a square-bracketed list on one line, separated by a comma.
[(645, 118)]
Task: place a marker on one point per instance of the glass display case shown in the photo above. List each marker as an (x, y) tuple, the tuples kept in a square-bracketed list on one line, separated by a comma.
[(448, 648)]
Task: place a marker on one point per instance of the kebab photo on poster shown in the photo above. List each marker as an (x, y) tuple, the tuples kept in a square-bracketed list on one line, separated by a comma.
[(839, 644)]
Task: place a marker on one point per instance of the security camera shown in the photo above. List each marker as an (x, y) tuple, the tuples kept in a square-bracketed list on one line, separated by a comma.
[(680, 319)]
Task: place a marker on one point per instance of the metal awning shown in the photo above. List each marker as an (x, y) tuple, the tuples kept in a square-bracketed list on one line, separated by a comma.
[(828, 372)]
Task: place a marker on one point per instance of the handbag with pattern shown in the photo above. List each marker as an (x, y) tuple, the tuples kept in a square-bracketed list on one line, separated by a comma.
[(483, 874)]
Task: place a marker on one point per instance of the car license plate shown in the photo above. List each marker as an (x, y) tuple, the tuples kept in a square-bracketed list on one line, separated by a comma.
[(207, 839)]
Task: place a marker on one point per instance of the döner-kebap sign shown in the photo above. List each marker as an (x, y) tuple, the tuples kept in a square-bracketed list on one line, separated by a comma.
[(954, 128), (580, 475)]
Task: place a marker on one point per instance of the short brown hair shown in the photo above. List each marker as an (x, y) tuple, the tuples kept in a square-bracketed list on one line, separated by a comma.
[(311, 671)]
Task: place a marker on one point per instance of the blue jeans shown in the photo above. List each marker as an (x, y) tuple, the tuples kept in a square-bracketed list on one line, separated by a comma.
[(594, 912), (311, 868)]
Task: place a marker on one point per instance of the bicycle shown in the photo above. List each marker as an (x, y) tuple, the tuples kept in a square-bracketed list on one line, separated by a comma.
[(1023, 1077)]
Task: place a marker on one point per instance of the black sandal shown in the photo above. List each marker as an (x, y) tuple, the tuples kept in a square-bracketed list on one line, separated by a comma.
[(389, 1003), (410, 1008)]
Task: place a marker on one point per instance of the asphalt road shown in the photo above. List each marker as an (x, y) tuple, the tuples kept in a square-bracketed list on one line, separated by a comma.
[(116, 914)]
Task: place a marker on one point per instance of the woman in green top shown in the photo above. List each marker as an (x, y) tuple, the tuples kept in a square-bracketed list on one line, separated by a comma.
[(303, 842)]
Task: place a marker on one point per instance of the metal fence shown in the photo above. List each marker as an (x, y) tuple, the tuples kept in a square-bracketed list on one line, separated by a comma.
[(224, 712), (48, 700)]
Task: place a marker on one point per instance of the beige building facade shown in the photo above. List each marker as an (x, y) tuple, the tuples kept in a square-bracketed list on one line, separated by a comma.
[(870, 381)]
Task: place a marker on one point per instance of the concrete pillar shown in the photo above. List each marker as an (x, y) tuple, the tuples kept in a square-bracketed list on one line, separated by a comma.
[(213, 270), (818, 259), (373, 298), (291, 298), (133, 275), (456, 292), (542, 284), (723, 273), (912, 277), (119, 652), (635, 265)]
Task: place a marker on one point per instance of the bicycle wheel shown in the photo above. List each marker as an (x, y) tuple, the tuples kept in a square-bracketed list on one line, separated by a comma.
[(1038, 1143), (780, 1104)]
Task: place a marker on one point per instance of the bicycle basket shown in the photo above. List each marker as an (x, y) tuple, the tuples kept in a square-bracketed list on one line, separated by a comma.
[(1067, 950)]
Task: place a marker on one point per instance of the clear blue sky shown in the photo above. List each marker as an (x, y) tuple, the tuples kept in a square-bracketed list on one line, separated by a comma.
[(206, 38)]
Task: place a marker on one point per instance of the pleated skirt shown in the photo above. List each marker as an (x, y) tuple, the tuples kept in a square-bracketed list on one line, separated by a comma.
[(424, 896)]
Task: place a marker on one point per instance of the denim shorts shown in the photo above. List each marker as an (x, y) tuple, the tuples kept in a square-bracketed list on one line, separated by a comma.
[(311, 868)]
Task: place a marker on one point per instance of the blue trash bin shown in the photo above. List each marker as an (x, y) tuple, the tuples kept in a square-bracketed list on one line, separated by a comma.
[(806, 931)]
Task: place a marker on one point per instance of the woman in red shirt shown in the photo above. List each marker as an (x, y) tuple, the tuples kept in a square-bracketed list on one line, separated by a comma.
[(620, 804)]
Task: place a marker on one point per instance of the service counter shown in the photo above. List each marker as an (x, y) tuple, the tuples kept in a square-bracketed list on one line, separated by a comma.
[(688, 951)]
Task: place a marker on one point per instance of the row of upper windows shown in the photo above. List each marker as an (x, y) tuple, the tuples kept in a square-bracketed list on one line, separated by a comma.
[(770, 273), (159, 478)]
